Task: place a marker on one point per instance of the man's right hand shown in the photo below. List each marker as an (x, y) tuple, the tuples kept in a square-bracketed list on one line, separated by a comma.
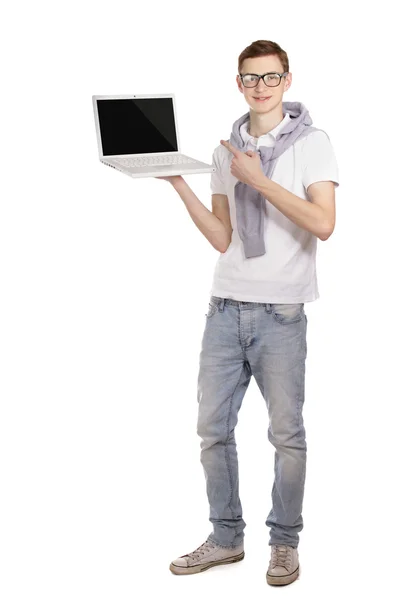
[(172, 178)]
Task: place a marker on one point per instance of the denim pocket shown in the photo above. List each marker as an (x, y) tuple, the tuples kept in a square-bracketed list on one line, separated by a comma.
[(213, 306), (288, 313)]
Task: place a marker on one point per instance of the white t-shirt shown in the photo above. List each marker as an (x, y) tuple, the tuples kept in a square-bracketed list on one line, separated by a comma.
[(286, 273)]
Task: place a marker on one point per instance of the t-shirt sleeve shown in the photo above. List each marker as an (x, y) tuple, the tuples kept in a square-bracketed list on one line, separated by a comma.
[(319, 160), (217, 184)]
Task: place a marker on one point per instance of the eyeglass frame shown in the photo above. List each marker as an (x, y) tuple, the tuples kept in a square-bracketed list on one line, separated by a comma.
[(262, 77)]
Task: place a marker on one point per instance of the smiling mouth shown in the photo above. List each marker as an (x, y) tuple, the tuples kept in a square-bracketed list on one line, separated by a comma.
[(262, 98)]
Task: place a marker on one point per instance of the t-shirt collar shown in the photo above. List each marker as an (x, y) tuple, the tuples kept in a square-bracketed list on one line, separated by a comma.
[(246, 137)]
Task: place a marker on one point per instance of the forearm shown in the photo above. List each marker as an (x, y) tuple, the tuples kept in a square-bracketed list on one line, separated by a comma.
[(303, 213), (208, 223)]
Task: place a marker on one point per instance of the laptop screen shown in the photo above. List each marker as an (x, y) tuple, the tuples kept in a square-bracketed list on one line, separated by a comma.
[(137, 125)]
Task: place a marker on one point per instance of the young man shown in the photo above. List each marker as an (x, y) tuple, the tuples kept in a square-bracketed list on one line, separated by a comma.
[(256, 324)]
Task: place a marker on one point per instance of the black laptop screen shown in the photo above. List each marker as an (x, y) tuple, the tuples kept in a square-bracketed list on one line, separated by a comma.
[(137, 126)]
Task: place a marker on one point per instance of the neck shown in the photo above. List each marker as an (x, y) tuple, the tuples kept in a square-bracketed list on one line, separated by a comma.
[(263, 122)]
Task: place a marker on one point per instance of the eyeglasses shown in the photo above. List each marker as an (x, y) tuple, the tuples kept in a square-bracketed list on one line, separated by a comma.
[(251, 80)]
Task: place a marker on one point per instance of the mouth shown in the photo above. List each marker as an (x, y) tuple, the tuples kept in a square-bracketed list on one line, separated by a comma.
[(262, 98)]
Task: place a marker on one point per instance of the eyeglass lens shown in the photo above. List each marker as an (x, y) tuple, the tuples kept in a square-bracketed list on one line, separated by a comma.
[(271, 80)]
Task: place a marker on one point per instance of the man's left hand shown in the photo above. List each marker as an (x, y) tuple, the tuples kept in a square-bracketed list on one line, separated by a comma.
[(245, 166)]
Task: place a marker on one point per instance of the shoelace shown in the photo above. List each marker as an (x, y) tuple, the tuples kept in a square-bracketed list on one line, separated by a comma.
[(280, 556), (201, 550)]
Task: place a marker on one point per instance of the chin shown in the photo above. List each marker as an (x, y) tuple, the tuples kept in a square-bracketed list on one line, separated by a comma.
[(261, 109)]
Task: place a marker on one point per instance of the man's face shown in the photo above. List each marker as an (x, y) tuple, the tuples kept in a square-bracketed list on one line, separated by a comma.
[(261, 65)]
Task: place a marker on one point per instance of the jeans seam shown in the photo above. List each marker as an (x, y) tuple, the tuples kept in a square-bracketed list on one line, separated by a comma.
[(226, 450)]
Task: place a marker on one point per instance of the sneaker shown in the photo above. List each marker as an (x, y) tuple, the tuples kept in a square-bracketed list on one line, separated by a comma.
[(284, 565), (207, 555)]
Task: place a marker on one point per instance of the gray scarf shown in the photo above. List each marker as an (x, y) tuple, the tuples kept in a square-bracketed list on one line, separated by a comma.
[(250, 204)]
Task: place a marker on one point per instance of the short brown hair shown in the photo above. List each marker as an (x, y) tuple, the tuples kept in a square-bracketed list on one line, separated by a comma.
[(264, 48)]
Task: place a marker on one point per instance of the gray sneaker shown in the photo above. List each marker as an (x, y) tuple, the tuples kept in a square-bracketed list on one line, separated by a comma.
[(207, 555)]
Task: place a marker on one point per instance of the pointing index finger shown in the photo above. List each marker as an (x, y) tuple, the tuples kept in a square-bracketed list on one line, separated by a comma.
[(231, 148)]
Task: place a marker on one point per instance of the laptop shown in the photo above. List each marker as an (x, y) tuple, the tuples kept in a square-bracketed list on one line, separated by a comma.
[(138, 135)]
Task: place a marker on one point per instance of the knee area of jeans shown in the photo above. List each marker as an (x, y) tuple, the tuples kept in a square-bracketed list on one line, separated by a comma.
[(206, 442), (285, 440)]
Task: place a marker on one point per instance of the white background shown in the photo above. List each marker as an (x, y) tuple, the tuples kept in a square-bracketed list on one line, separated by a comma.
[(105, 284)]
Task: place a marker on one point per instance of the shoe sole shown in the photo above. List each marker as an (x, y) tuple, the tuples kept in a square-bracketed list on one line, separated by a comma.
[(283, 579), (199, 568)]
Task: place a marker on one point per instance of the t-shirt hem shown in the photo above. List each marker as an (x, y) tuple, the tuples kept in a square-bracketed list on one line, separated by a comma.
[(270, 298)]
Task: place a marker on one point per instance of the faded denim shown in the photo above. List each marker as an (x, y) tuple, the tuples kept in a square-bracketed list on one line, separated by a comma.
[(268, 341)]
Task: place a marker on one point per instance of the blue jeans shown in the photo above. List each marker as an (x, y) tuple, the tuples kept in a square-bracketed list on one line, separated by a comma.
[(268, 341)]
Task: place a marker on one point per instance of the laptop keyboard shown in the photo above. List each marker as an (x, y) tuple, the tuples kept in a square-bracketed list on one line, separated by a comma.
[(153, 161)]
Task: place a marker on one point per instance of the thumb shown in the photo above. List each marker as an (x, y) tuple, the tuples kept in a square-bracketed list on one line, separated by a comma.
[(250, 153)]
